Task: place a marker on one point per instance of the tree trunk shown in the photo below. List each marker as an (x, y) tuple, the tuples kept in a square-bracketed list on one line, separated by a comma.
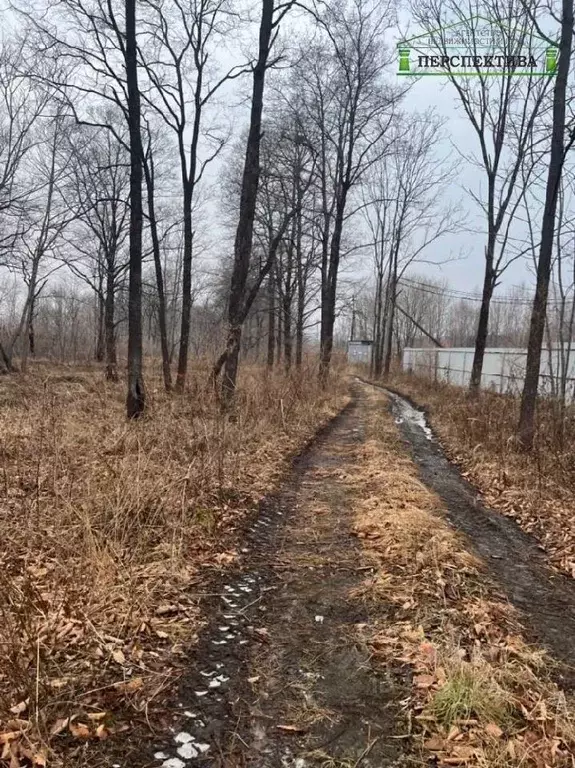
[(271, 320), (483, 324), (5, 361), (167, 373), (389, 323), (136, 399), (99, 294), (31, 338), (329, 297), (526, 427), (300, 317), (186, 295), (110, 326), (244, 232), (391, 298), (288, 341)]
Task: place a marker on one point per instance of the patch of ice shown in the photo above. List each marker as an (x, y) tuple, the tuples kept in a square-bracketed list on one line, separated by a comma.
[(161, 755), (199, 694), (319, 619), (202, 747), (188, 751), (174, 762), (413, 416), (183, 737)]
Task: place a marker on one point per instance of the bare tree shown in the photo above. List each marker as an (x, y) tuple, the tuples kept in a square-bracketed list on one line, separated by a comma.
[(405, 214), (349, 108), (502, 112), (98, 195), (237, 305), (181, 36), (559, 146)]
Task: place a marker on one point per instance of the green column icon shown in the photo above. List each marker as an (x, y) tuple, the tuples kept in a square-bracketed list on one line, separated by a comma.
[(403, 59), (551, 61)]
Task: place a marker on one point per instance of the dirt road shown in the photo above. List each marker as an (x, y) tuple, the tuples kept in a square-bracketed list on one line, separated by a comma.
[(279, 678)]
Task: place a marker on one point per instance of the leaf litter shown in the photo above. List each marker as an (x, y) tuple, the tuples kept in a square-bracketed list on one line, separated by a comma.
[(481, 695)]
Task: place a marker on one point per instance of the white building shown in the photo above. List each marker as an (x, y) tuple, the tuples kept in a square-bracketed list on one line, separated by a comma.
[(503, 369), (359, 351)]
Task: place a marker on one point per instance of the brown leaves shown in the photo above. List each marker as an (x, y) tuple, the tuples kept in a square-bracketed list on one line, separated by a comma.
[(499, 709), (15, 750)]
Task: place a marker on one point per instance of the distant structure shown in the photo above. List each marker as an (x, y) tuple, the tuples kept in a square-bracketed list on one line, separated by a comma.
[(359, 350), (503, 367)]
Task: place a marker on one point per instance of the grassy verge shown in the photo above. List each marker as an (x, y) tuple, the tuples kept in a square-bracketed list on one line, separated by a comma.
[(480, 695), (538, 488), (107, 530)]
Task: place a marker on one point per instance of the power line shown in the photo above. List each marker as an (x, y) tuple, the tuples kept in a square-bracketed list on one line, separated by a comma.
[(452, 293)]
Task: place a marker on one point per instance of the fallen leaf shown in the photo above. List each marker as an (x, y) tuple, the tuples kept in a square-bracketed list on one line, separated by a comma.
[(291, 728), (118, 656), (435, 744), (95, 716), (80, 730), (130, 686), (19, 708), (493, 730), (9, 736), (424, 681)]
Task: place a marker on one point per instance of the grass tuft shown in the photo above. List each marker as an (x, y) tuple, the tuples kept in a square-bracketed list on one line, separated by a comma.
[(470, 692)]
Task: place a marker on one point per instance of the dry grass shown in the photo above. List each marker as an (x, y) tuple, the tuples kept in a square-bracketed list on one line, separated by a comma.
[(481, 695), (538, 488), (107, 529)]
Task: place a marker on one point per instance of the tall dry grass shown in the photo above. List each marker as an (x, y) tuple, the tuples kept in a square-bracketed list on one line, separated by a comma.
[(107, 525)]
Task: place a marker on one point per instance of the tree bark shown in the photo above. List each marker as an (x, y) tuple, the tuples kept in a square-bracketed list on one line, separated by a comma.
[(166, 370), (330, 292), (526, 427), (483, 323), (136, 399), (110, 326), (186, 295), (271, 320), (99, 354), (249, 190)]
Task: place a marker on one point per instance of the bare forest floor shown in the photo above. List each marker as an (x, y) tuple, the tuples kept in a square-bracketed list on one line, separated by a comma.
[(536, 489), (160, 613)]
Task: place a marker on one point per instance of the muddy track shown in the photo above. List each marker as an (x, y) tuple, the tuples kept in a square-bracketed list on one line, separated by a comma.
[(278, 679), (545, 597)]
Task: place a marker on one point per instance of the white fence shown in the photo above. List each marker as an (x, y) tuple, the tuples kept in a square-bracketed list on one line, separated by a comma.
[(503, 369)]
